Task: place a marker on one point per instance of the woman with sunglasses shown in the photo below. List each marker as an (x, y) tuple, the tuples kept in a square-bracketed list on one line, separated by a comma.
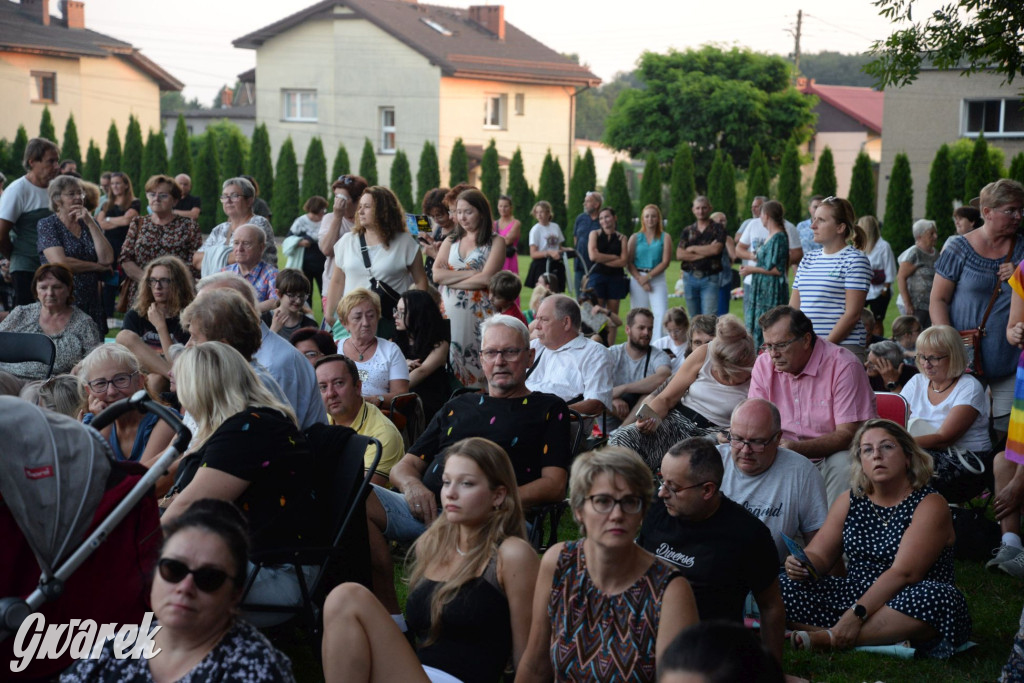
[(603, 603), (195, 595)]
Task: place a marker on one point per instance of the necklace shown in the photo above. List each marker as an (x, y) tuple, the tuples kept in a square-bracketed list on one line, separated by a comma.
[(942, 391), (362, 350), (892, 511), (459, 550)]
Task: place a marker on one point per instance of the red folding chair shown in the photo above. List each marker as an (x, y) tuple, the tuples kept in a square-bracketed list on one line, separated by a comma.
[(892, 407)]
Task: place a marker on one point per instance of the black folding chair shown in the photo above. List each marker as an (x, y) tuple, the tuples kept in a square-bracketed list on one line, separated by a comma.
[(551, 513), (21, 347)]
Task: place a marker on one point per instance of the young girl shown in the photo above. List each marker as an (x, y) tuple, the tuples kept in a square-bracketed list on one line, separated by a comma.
[(290, 315), (546, 248), (677, 324)]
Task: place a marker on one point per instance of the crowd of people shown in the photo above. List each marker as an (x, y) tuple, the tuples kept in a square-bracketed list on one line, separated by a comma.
[(745, 457)]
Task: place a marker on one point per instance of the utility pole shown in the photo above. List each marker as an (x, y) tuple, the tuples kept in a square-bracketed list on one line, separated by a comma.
[(796, 47)]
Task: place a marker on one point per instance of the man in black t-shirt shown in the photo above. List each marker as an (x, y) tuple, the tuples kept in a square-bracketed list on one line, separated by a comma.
[(189, 205), (722, 550)]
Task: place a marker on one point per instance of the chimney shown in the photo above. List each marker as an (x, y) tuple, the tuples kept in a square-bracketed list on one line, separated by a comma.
[(74, 13), (491, 17), (226, 97), (37, 9)]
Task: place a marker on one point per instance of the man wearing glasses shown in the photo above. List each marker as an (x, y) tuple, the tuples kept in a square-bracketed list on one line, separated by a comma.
[(821, 390), (721, 549), (778, 486)]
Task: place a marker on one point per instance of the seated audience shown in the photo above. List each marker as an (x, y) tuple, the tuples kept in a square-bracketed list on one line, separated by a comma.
[(677, 327), (638, 368), (778, 486), (423, 339), (381, 364), (1008, 504), (702, 330), (54, 314), (237, 198), (505, 287), (470, 590), (897, 535), (314, 344), (340, 390), (905, 331), (820, 389), (247, 245), (703, 534), (885, 366), (532, 427), (60, 394), (718, 652), (292, 288), (603, 603), (195, 595), (699, 398)]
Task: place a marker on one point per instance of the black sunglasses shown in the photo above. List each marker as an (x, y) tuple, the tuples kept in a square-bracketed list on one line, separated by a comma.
[(346, 180), (207, 579)]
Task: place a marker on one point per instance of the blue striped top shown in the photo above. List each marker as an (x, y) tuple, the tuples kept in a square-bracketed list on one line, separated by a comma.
[(822, 280)]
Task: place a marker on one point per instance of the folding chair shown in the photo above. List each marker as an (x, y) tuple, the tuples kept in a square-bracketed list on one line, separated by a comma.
[(20, 347), (406, 413), (892, 407), (552, 512)]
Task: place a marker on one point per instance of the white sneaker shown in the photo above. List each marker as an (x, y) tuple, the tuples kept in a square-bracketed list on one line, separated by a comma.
[(1014, 567), (1004, 553)]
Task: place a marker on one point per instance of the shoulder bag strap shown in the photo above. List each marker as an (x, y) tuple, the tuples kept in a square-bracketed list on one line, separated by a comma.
[(999, 286), (647, 362), (365, 251)]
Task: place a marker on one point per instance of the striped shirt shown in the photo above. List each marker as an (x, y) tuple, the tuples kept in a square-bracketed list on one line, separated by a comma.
[(822, 280)]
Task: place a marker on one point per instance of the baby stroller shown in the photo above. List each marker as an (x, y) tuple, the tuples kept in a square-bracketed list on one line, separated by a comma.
[(66, 505)]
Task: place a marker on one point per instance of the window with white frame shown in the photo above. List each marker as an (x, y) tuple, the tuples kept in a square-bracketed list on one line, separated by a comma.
[(387, 129), (520, 103), (496, 111), (44, 86), (298, 105), (994, 117)]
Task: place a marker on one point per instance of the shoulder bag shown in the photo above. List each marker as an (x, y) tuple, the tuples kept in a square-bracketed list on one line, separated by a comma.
[(972, 337), (388, 296)]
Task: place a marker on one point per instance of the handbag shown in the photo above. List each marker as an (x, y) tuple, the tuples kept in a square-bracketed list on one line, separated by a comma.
[(388, 296), (123, 300), (972, 337)]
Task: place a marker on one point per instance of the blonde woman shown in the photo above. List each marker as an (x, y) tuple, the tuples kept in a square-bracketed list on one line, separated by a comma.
[(649, 253)]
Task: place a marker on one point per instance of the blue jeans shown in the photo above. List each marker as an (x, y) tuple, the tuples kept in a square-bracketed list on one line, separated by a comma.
[(701, 294)]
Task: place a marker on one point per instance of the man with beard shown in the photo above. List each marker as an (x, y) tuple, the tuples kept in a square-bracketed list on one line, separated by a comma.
[(637, 367)]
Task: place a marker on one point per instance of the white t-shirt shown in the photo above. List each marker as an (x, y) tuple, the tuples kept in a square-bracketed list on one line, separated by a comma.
[(376, 372), (325, 225), (669, 345), (753, 233), (546, 237), (19, 198), (389, 265), (882, 258), (968, 391)]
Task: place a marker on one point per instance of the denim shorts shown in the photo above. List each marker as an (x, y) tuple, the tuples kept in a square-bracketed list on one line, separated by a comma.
[(606, 287), (402, 526)]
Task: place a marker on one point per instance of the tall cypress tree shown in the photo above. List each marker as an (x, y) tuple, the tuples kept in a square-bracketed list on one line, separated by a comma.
[(428, 175), (519, 191), (939, 203), (899, 206), (789, 180), (558, 186), (71, 149), (206, 183), (650, 184), (682, 190), (261, 164), (617, 196), (131, 161), (458, 164), (490, 177), (154, 162), (314, 171), (758, 176), (715, 193), (181, 152), (590, 180), (46, 129), (546, 182), (342, 166), (401, 182), (1017, 168), (93, 163), (233, 162), (728, 190), (862, 186), (368, 163), (18, 153), (577, 188), (979, 170), (286, 187), (825, 177), (112, 157)]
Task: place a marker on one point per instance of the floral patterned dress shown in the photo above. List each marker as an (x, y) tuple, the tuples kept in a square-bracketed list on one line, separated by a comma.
[(146, 241), (466, 309)]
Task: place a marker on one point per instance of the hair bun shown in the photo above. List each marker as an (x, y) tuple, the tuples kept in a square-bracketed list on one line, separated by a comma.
[(729, 328)]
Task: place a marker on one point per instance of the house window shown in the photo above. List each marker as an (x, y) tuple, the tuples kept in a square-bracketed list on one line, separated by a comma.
[(496, 112), (298, 105), (387, 129), (520, 103), (44, 86), (994, 117)]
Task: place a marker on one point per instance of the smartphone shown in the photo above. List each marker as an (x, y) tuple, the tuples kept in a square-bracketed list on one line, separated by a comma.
[(797, 551), (645, 411)]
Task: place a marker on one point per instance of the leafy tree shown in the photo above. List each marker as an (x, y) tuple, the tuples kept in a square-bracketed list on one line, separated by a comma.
[(342, 166), (594, 105), (650, 185), (458, 164), (181, 153), (314, 171), (789, 180), (759, 178), (836, 68), (112, 158), (960, 153), (367, 163), (973, 35), (93, 163), (428, 175), (862, 186), (519, 190), (939, 204), (617, 196), (490, 177), (18, 153), (1017, 168), (825, 177), (682, 191), (172, 102), (232, 163), (980, 171), (5, 158), (286, 187), (727, 186), (401, 181), (71, 149), (558, 184), (261, 165), (131, 162), (46, 129), (206, 183), (154, 161), (899, 206), (710, 98)]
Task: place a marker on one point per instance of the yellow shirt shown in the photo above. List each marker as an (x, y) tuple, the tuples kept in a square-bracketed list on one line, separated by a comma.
[(371, 422)]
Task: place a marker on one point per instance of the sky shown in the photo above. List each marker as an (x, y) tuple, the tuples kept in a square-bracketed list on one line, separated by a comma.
[(192, 38)]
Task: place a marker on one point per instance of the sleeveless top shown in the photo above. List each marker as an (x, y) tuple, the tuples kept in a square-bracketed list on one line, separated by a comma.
[(598, 637), (609, 244), (648, 254), (711, 398), (475, 640)]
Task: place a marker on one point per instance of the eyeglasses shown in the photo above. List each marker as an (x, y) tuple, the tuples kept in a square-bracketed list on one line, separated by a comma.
[(162, 196), (755, 445), (675, 490), (312, 353), (1012, 213), (158, 281), (603, 503), (233, 197), (120, 381), (929, 360), (398, 313), (245, 244), (73, 195), (780, 347), (207, 579), (885, 447), (294, 295), (508, 355)]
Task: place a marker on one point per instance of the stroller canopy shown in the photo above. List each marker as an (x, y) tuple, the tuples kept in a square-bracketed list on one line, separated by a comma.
[(53, 472)]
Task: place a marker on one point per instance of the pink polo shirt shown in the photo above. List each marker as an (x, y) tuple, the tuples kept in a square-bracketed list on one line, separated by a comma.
[(832, 389)]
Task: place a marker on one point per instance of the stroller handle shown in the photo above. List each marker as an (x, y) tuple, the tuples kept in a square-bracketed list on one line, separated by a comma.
[(141, 402)]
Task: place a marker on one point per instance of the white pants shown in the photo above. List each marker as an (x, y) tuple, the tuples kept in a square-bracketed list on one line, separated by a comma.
[(656, 300)]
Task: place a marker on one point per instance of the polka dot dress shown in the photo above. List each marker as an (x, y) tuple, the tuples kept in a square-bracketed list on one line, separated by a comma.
[(871, 538)]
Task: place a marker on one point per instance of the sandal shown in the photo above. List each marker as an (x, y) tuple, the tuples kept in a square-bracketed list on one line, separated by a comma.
[(805, 640)]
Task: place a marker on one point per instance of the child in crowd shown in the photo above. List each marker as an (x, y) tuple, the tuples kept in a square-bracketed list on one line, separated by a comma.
[(677, 324), (290, 315), (875, 328), (546, 240), (702, 330), (505, 287), (541, 291), (905, 330)]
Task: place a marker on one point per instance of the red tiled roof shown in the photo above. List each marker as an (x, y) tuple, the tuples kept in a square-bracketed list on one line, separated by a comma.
[(864, 105)]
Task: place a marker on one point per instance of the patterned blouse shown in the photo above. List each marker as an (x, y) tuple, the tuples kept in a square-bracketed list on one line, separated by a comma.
[(146, 241), (78, 338)]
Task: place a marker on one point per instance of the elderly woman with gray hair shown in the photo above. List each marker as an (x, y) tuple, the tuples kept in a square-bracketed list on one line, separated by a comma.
[(73, 238), (917, 269), (885, 366), (237, 197)]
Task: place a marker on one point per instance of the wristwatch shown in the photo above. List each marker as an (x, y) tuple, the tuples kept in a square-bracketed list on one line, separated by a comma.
[(891, 386), (861, 612)]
